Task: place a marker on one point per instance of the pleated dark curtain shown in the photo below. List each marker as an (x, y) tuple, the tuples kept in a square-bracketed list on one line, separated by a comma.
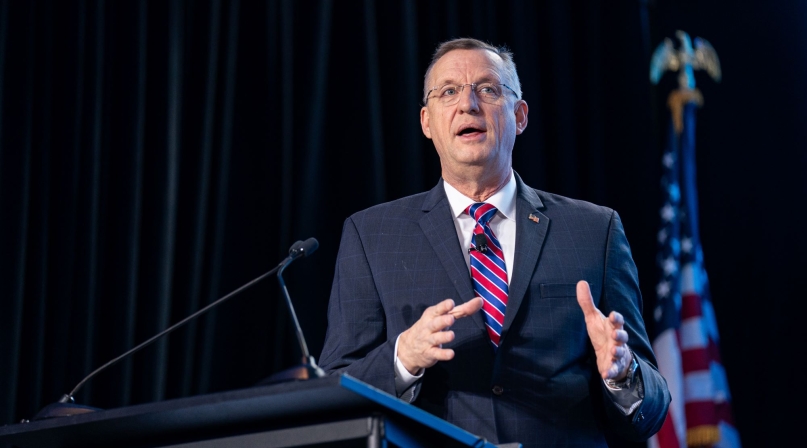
[(156, 155)]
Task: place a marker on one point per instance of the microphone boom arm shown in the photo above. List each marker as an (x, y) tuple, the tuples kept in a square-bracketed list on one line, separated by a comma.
[(65, 406), (69, 397)]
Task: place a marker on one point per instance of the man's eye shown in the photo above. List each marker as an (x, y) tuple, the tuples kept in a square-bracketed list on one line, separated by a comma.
[(486, 89), (449, 91)]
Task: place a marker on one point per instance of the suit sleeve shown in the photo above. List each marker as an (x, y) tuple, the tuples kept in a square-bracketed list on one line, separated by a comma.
[(621, 293), (356, 341)]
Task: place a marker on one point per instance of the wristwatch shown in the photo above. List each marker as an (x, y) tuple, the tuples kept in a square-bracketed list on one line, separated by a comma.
[(626, 382)]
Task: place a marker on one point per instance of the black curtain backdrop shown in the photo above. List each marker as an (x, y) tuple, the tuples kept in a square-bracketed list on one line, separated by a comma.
[(156, 155)]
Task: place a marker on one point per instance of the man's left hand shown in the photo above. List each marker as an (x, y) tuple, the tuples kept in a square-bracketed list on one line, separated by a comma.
[(607, 336)]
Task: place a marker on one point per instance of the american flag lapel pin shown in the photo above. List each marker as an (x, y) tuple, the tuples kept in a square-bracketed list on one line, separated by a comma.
[(533, 218)]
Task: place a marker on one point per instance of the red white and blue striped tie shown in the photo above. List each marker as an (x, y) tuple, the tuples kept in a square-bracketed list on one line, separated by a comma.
[(488, 271)]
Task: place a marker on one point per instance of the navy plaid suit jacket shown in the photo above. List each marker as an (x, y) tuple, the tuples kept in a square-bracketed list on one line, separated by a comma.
[(398, 258)]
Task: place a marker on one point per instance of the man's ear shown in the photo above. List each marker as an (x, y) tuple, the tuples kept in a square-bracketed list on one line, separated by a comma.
[(521, 111), (424, 122)]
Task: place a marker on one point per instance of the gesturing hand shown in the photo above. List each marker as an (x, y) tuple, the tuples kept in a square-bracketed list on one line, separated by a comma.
[(607, 336), (420, 346)]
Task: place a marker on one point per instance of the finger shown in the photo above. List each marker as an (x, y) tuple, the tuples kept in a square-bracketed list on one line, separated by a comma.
[(440, 323), (616, 319), (468, 308), (441, 354), (615, 368), (620, 336), (625, 357), (442, 337), (441, 308), (584, 298), (619, 352)]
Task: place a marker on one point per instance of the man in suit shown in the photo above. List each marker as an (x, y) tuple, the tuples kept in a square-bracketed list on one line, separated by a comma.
[(484, 301)]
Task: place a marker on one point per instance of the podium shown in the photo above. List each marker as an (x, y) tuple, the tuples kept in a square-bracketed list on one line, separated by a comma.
[(336, 411)]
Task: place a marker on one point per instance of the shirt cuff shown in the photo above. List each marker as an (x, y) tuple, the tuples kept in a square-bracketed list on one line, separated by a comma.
[(403, 379), (627, 399)]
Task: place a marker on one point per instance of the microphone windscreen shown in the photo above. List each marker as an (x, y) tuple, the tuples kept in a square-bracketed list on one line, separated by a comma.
[(309, 246)]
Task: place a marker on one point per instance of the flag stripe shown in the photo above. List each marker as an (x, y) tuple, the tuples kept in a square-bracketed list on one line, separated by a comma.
[(698, 386), (695, 359), (666, 348), (701, 413), (690, 305), (666, 437), (692, 335)]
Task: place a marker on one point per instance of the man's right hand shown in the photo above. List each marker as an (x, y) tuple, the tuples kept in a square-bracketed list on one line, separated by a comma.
[(420, 346)]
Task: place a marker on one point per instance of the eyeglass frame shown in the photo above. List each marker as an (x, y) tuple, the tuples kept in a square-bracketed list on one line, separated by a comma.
[(461, 88)]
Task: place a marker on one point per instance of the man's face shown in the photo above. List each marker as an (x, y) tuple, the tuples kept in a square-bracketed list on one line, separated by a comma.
[(471, 134)]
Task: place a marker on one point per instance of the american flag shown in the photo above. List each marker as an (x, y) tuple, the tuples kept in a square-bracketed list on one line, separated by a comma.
[(685, 339)]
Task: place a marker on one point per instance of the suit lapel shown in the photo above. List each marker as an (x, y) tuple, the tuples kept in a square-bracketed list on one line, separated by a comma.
[(438, 226), (530, 236)]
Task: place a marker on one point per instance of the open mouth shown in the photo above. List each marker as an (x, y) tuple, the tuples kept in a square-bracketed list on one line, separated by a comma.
[(470, 130)]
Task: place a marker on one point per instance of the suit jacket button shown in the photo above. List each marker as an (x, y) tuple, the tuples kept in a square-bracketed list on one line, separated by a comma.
[(498, 390)]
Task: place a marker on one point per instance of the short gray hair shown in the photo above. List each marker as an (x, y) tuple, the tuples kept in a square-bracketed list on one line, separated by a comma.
[(466, 43)]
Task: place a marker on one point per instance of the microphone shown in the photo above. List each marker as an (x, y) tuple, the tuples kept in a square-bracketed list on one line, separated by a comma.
[(303, 248), (308, 368), (480, 243), (66, 405)]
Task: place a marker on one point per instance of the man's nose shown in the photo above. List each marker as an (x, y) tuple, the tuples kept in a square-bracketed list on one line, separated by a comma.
[(469, 101)]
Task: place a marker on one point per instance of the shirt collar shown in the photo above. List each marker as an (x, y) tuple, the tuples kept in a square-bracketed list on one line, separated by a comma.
[(504, 200)]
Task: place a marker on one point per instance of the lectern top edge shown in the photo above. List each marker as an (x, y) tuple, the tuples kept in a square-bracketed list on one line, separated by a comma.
[(239, 411)]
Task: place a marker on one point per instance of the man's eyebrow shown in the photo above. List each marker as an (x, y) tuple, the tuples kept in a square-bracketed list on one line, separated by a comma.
[(488, 78), (444, 81), (483, 79)]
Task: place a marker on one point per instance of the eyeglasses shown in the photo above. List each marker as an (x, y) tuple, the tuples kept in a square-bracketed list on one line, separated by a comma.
[(449, 94)]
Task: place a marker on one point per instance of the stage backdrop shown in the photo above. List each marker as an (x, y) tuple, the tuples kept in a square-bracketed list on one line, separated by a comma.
[(156, 155)]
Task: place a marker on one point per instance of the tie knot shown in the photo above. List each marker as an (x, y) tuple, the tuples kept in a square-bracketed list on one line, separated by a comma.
[(482, 212)]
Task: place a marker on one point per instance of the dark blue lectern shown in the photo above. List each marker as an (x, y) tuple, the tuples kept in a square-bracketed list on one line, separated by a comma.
[(337, 411)]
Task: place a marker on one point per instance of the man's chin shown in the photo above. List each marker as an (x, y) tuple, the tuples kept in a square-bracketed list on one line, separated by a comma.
[(474, 154)]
